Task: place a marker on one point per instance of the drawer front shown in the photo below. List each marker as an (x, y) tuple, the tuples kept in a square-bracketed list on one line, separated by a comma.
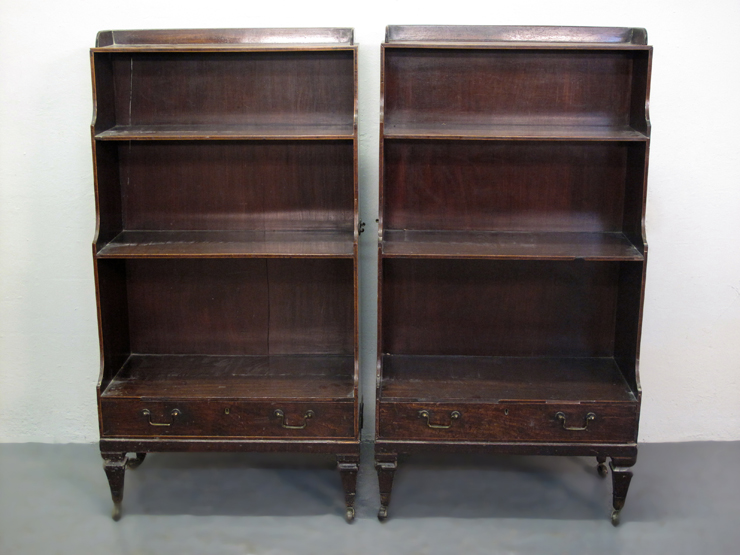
[(139, 418), (562, 422)]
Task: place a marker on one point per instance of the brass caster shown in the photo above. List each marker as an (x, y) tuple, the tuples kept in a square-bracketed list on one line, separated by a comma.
[(349, 516), (602, 470), (615, 517), (382, 513), (116, 511), (133, 464)]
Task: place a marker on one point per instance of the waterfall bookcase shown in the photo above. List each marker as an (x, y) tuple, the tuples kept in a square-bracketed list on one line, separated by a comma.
[(512, 247), (226, 247)]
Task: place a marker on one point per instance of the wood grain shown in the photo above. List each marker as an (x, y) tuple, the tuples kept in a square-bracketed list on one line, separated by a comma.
[(236, 186), (227, 244), (499, 308), (502, 245), (415, 378), (504, 186), (322, 378)]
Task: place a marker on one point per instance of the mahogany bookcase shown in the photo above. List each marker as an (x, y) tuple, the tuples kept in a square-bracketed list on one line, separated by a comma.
[(226, 246), (512, 249)]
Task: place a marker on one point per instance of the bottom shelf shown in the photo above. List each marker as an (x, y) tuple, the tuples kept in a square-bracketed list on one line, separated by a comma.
[(413, 378), (155, 396), (506, 399), (300, 377)]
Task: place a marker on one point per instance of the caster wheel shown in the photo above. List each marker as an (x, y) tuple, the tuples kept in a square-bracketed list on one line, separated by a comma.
[(133, 464), (116, 512), (602, 470), (383, 514), (615, 517), (349, 516)]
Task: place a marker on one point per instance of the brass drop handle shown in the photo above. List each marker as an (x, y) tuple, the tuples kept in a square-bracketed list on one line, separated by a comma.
[(590, 417), (148, 414), (426, 415), (281, 415)]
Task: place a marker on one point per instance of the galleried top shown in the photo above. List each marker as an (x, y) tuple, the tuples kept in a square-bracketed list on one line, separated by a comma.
[(224, 39), (514, 34)]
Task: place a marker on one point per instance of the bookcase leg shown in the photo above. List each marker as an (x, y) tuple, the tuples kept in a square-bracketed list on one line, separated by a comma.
[(348, 466), (621, 478), (385, 464), (115, 469)]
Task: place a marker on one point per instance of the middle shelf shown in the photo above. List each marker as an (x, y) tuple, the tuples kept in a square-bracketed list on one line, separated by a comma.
[(508, 245), (228, 244)]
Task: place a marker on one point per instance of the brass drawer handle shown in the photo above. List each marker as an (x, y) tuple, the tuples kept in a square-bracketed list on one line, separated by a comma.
[(426, 415), (590, 417), (281, 415), (148, 414)]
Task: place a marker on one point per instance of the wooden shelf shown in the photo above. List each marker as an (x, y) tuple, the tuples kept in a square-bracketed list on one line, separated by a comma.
[(230, 244), (412, 378), (503, 245), (234, 377), (506, 132), (228, 132)]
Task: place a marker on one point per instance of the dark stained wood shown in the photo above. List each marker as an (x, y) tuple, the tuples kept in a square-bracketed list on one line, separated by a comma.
[(504, 186), (512, 245), (503, 245), (225, 244), (508, 87), (311, 306), (220, 377), (510, 132), (227, 445), (236, 418), (215, 307), (237, 185), (113, 322), (499, 308), (518, 35), (518, 421), (226, 131), (240, 306), (434, 379), (294, 88), (300, 37)]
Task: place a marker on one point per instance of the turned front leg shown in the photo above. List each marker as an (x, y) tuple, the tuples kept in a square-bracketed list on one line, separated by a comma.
[(621, 478), (348, 466), (115, 469), (385, 464)]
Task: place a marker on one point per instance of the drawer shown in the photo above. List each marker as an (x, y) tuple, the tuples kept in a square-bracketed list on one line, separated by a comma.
[(510, 422), (201, 418)]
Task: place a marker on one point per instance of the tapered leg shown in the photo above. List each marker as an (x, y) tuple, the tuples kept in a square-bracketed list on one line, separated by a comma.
[(115, 470), (621, 478), (385, 464), (348, 466), (601, 468)]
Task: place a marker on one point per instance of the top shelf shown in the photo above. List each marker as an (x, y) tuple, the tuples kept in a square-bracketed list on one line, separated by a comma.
[(498, 36), (437, 130), (194, 40)]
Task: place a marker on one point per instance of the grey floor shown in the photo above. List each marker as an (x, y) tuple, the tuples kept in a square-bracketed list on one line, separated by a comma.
[(55, 499)]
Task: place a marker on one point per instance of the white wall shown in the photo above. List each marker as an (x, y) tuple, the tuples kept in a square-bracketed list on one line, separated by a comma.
[(48, 333)]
